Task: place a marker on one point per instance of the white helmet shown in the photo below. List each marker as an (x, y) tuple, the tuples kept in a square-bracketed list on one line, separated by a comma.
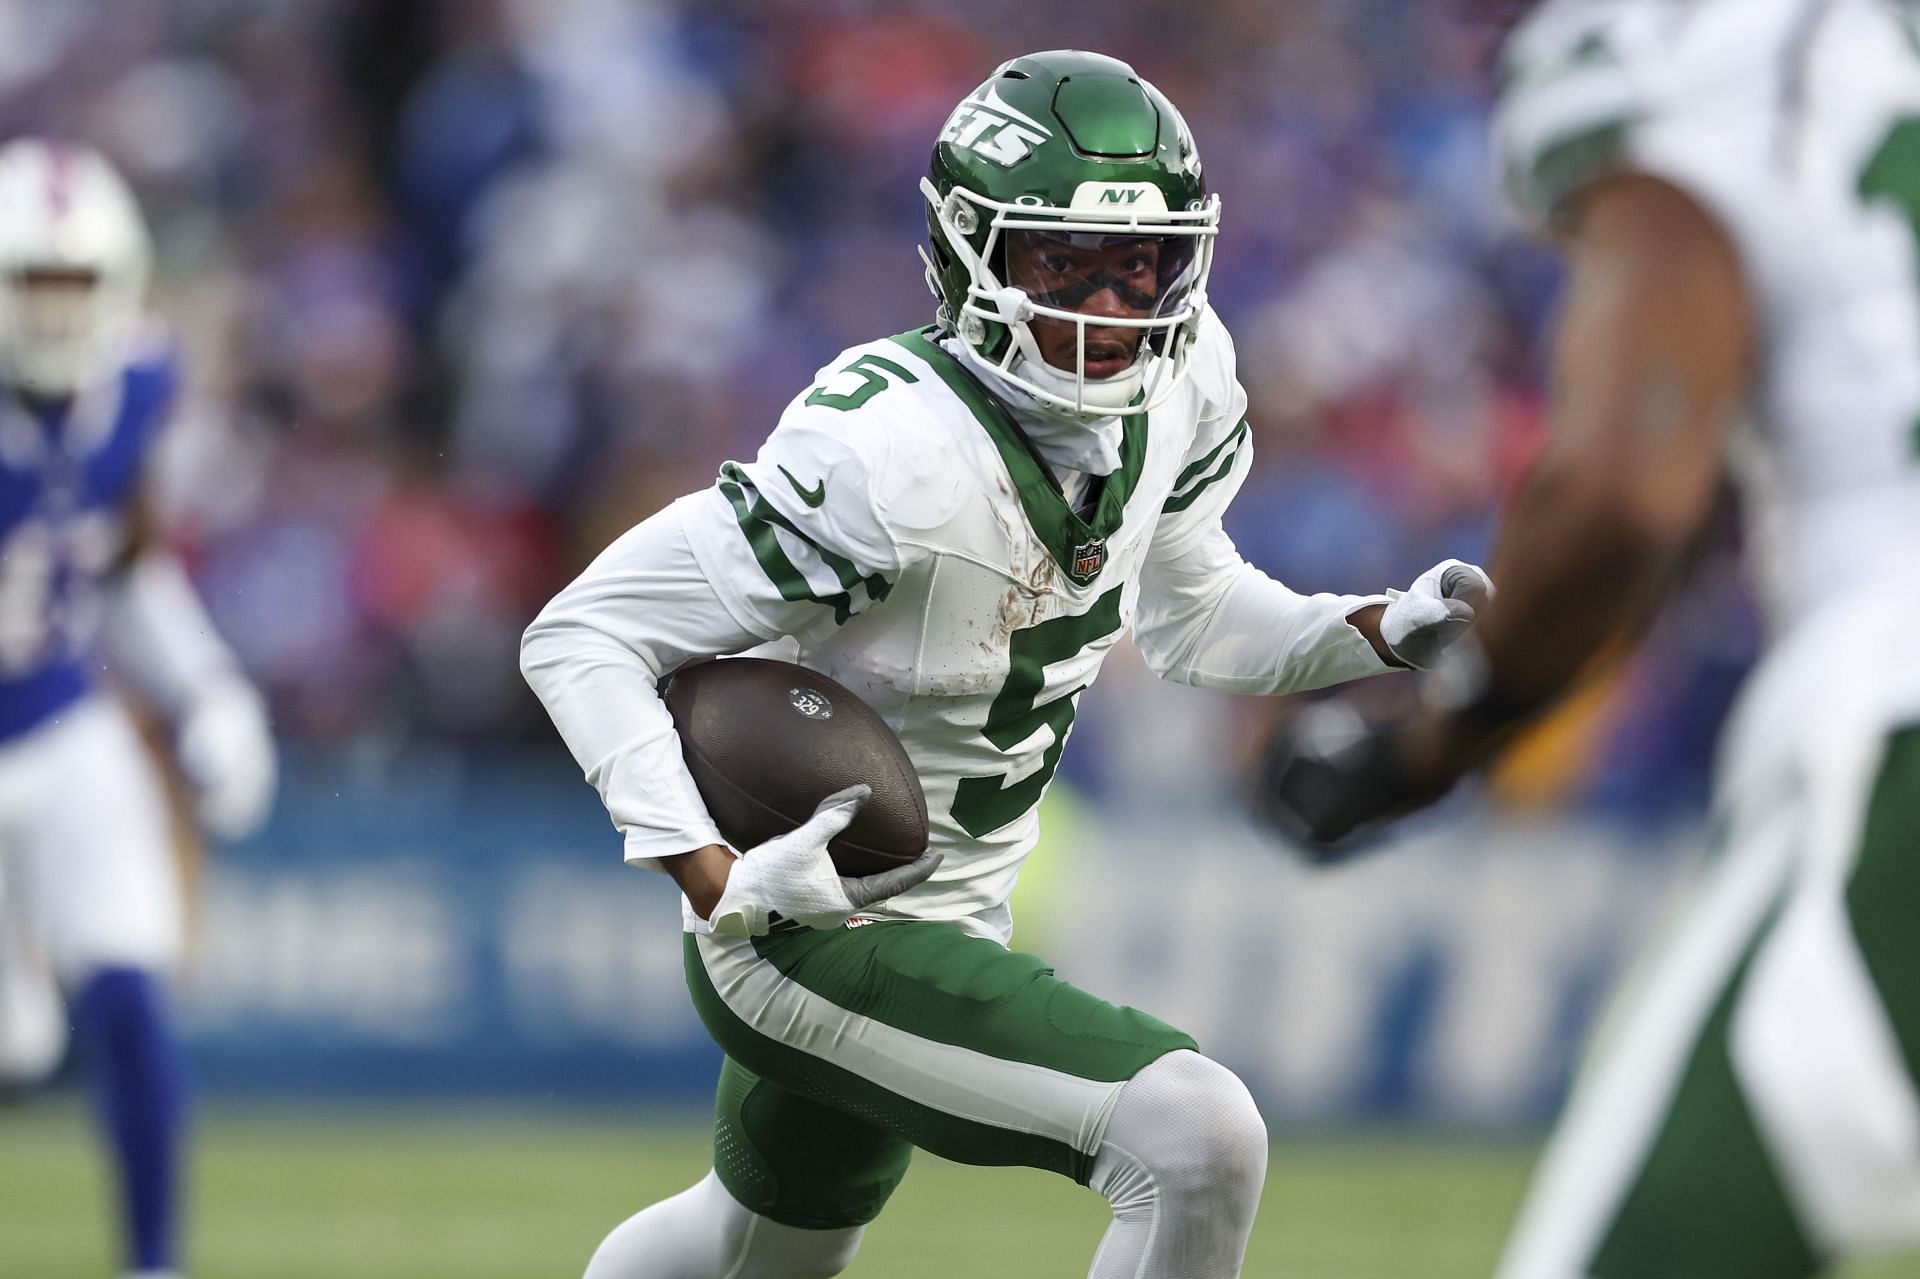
[(74, 261)]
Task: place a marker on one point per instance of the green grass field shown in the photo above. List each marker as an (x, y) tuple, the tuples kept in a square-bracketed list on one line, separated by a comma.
[(433, 1195)]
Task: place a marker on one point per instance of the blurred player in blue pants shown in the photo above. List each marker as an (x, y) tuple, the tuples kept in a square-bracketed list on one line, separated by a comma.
[(90, 901)]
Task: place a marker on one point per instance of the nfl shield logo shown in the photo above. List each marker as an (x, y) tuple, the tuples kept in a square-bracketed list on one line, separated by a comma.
[(1088, 559)]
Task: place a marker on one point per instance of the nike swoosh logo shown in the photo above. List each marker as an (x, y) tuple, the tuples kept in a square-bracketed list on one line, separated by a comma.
[(813, 496)]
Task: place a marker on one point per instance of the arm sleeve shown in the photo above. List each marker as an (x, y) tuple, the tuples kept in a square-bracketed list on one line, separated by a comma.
[(1210, 619), (791, 544), (795, 541), (1206, 616), (155, 630), (596, 655), (1217, 462), (158, 637), (1701, 97)]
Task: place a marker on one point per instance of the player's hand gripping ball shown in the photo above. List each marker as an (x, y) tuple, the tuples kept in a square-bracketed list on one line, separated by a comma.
[(767, 742), (809, 784)]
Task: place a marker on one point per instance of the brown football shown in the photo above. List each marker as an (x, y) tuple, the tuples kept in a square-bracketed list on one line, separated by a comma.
[(767, 741)]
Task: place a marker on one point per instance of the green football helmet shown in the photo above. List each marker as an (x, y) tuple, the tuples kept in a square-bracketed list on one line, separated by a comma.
[(1071, 153)]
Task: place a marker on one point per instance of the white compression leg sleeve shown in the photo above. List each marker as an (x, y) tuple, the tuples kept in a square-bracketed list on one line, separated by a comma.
[(704, 1233), (1182, 1164)]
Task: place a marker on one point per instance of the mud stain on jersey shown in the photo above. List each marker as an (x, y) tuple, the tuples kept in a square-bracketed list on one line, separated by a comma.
[(1026, 603), (973, 683), (1045, 575), (1035, 577), (1011, 617)]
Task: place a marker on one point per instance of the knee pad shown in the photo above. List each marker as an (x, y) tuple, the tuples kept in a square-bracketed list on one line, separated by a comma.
[(1185, 1129)]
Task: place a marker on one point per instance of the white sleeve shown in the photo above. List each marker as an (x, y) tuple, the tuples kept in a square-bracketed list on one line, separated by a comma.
[(796, 541), (792, 544), (1700, 96), (1206, 616), (595, 657), (158, 637), (1221, 454), (1210, 619)]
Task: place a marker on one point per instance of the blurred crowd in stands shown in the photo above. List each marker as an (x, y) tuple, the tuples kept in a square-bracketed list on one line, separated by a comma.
[(467, 287)]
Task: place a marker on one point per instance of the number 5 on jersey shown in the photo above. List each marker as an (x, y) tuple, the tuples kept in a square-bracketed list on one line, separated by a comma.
[(872, 371), (984, 804)]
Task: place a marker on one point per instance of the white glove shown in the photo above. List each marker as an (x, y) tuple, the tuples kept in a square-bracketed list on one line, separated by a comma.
[(226, 750), (793, 875), (1420, 622)]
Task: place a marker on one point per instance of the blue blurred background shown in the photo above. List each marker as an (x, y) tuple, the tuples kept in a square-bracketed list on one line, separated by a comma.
[(467, 287)]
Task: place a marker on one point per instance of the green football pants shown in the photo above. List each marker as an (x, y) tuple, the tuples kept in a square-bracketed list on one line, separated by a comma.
[(1754, 1113), (846, 1048)]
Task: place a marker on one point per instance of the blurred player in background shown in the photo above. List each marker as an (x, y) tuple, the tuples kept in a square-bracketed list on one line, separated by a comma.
[(90, 901), (1737, 187), (960, 523)]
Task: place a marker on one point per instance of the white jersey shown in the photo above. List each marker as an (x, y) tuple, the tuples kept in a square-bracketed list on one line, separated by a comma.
[(1796, 124), (899, 533)]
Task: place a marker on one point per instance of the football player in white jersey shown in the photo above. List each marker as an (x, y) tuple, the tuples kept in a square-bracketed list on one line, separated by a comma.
[(959, 523), (90, 910), (1736, 184)]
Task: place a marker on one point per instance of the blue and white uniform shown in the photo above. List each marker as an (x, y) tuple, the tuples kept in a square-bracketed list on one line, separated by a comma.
[(89, 894), (84, 832), (68, 473)]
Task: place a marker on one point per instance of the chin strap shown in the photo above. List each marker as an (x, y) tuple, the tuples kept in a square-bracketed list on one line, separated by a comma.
[(1105, 397), (1066, 440)]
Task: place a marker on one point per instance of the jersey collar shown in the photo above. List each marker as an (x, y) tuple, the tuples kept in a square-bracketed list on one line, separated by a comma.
[(76, 429), (1077, 545)]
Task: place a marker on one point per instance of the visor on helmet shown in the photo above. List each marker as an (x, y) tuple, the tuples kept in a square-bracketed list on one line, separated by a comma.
[(1148, 275), (56, 307), (59, 322)]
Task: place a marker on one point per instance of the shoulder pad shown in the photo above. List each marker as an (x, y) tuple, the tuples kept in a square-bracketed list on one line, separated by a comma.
[(1600, 86), (1215, 363), (1576, 84), (152, 378), (878, 407)]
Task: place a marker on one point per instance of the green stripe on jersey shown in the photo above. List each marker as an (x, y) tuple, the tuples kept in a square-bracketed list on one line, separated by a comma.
[(758, 520), (1184, 497), (1708, 1200), (1884, 888), (1232, 441), (843, 568), (1570, 163)]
